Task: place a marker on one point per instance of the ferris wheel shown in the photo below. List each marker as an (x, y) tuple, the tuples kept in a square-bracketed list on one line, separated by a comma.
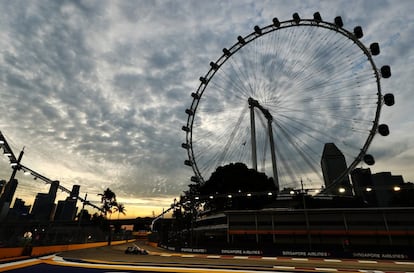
[(278, 95)]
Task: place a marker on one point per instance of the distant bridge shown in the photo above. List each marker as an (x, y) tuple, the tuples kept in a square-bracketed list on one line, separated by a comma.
[(145, 221)]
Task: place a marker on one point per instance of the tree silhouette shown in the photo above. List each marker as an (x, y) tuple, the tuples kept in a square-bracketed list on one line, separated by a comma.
[(237, 180), (120, 208), (108, 200)]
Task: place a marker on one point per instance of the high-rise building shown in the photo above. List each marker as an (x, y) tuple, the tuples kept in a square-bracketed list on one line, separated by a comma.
[(75, 192), (363, 185), (84, 216), (333, 165), (19, 210), (44, 204), (42, 207), (53, 190), (385, 185), (66, 210), (7, 197)]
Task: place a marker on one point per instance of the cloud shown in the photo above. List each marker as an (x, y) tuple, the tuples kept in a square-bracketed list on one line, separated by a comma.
[(96, 90)]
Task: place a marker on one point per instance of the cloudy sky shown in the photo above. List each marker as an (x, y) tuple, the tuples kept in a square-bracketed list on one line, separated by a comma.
[(96, 90)]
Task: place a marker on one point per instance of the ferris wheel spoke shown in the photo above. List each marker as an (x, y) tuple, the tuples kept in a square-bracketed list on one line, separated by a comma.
[(292, 167), (303, 128), (303, 125), (235, 86), (315, 62), (232, 135), (301, 148)]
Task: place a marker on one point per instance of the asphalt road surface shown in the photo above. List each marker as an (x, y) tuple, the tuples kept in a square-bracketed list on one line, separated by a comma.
[(113, 259)]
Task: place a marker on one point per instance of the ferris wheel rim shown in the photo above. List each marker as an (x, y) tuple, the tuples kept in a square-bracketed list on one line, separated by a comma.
[(256, 34)]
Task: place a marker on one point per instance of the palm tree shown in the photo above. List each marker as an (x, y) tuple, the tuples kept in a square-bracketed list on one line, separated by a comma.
[(120, 208), (108, 200)]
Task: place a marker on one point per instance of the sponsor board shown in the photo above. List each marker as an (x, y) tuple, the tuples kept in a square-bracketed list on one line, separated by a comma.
[(373, 255), (306, 253), (240, 252)]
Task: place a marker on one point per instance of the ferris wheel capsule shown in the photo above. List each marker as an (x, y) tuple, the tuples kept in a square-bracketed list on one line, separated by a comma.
[(317, 17), (195, 96), (258, 30), (296, 18), (383, 130), (389, 99), (338, 21), (226, 52), (276, 22), (214, 66), (374, 48), (195, 179), (358, 32), (369, 159), (386, 71)]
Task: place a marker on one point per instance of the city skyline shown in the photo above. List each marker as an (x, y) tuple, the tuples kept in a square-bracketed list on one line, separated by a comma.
[(96, 91)]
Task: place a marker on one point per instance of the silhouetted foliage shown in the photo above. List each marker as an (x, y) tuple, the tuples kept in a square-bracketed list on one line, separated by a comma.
[(143, 223), (234, 178), (108, 200), (120, 208), (98, 219)]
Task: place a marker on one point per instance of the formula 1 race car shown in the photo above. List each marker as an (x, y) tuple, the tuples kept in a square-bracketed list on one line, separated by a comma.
[(135, 250)]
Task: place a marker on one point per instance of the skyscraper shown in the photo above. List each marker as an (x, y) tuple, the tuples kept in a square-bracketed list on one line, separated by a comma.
[(333, 165), (44, 204), (7, 197), (75, 192), (384, 184), (66, 210), (19, 210), (53, 190), (364, 185)]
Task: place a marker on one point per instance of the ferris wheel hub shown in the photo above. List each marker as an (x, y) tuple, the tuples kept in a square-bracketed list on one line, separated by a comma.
[(255, 103)]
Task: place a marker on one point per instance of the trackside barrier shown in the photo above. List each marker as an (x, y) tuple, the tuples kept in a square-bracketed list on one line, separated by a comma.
[(14, 252), (10, 252), (152, 244), (371, 253)]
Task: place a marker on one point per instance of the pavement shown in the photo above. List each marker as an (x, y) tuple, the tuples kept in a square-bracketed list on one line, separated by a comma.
[(115, 255)]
